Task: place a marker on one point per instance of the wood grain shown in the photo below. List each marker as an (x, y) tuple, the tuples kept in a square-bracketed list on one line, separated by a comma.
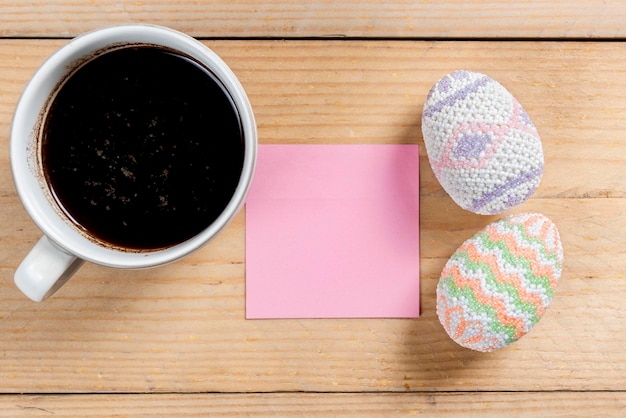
[(324, 18), (494, 404), (181, 328)]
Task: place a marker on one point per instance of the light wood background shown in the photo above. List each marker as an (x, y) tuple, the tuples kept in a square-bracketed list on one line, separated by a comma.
[(173, 341)]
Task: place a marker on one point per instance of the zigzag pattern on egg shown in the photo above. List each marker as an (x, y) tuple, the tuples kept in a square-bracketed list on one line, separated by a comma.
[(482, 146), (498, 284)]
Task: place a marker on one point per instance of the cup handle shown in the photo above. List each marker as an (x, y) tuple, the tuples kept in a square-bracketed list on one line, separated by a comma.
[(45, 269)]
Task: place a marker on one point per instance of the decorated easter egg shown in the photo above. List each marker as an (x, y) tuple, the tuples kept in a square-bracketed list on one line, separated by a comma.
[(498, 284), (481, 144)]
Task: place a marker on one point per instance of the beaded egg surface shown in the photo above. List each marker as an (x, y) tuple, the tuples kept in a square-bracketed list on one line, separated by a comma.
[(498, 284), (481, 144)]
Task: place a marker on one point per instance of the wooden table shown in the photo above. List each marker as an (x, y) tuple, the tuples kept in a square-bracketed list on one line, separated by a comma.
[(174, 341)]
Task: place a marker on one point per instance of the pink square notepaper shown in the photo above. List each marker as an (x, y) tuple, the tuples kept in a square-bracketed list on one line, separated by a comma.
[(332, 231)]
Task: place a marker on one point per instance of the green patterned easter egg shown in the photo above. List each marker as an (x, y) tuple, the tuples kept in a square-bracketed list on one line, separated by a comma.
[(498, 284)]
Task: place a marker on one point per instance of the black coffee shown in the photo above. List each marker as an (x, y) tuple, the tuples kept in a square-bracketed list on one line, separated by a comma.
[(142, 147)]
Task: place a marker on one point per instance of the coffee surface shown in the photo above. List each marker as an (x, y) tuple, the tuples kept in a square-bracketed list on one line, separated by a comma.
[(142, 147)]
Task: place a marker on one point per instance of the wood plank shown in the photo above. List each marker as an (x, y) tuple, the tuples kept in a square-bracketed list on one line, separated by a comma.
[(181, 328), (324, 18), (475, 404), (370, 92)]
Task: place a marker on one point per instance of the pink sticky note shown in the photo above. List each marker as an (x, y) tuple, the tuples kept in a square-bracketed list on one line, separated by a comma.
[(332, 231)]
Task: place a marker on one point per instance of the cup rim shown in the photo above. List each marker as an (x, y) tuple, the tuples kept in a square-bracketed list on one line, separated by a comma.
[(27, 174)]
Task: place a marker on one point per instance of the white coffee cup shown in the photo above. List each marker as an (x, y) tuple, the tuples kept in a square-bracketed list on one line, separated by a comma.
[(64, 247)]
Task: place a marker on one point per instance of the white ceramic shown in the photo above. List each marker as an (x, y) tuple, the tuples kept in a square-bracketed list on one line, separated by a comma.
[(63, 248)]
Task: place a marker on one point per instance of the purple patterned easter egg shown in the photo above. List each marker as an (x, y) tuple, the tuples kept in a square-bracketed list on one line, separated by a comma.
[(481, 144)]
